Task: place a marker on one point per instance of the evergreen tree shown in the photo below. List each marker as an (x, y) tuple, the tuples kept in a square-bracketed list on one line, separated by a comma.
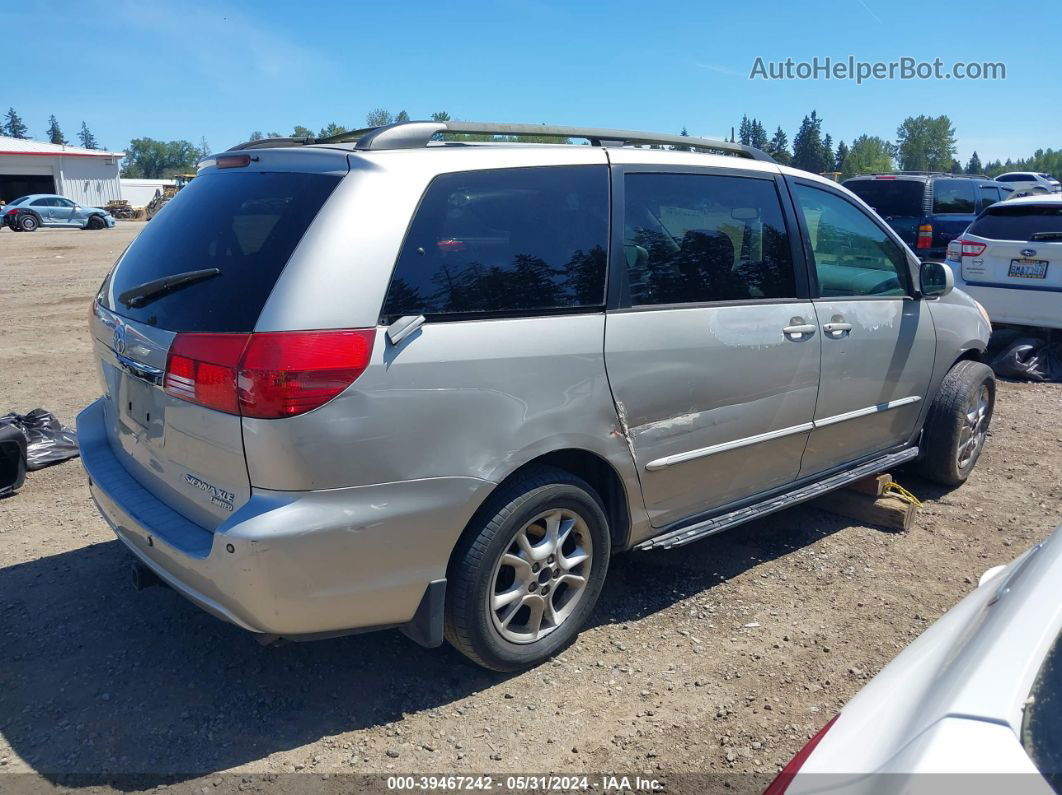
[(973, 166), (88, 140), (298, 131), (402, 116), (827, 153), (440, 115), (842, 153), (778, 147), (685, 134), (808, 151), (256, 135), (55, 135), (745, 131), (204, 147), (956, 167), (14, 126), (758, 135)]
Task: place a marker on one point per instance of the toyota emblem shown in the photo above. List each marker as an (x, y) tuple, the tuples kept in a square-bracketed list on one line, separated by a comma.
[(119, 338)]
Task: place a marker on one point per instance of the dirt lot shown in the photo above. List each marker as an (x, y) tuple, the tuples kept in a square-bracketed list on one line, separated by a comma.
[(724, 656)]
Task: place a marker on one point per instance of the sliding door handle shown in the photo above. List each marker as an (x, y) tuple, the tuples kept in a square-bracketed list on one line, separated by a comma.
[(837, 329), (799, 331)]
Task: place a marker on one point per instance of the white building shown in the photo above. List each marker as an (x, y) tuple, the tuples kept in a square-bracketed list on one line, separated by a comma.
[(88, 176), (140, 192)]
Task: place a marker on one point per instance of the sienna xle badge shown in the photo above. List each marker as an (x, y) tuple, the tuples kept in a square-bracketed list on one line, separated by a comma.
[(386, 380)]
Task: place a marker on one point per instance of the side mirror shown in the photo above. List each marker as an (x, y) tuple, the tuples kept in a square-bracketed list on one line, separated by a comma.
[(935, 279)]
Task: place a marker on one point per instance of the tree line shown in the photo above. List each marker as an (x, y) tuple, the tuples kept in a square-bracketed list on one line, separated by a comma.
[(922, 143), (13, 127)]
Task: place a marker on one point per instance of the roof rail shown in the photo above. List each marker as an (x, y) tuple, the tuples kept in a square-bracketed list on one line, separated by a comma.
[(415, 134)]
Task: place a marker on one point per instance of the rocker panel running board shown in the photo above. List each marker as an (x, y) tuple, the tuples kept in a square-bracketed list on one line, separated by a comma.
[(707, 527)]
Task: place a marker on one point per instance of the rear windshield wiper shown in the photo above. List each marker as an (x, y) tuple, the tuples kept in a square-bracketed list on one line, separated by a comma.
[(147, 292), (1046, 236)]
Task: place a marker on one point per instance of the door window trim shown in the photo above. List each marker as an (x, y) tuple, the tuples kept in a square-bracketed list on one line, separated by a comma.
[(617, 261), (805, 235)]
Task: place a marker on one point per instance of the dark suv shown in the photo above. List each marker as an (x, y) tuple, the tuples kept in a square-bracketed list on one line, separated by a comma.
[(928, 210)]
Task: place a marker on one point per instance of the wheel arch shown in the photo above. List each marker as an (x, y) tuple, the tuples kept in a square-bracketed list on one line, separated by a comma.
[(584, 464)]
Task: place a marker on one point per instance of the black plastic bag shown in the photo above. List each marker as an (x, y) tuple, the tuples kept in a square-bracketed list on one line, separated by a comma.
[(48, 441), (1029, 358)]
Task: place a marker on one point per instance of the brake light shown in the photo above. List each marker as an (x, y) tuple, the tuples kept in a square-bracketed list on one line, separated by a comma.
[(233, 161), (267, 375), (201, 368), (971, 248), (925, 236), (881, 176), (785, 778), (12, 211)]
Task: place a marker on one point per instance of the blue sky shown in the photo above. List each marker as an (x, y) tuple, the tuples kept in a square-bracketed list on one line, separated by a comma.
[(220, 70)]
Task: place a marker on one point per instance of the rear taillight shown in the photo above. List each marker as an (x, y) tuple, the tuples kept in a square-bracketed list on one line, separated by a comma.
[(12, 211), (925, 236), (268, 375), (971, 248), (785, 778), (288, 373), (202, 368)]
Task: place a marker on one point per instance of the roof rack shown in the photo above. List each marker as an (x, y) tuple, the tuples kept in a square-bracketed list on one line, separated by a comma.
[(416, 134)]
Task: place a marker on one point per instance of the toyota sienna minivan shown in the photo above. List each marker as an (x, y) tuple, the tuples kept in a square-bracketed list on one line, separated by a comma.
[(387, 380)]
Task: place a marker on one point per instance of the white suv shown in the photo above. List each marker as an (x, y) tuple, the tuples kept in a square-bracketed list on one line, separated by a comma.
[(1030, 182), (1010, 260)]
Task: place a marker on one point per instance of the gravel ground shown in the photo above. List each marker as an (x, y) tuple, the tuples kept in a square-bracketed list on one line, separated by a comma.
[(721, 657)]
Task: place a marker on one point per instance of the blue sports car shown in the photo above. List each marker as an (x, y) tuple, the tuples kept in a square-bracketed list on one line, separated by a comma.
[(29, 213)]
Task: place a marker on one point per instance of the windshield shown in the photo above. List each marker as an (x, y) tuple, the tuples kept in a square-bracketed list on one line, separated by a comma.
[(245, 225), (1041, 731), (1018, 221), (890, 197)]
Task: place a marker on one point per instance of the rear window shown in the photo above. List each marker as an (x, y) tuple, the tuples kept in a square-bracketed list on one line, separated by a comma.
[(244, 224), (1019, 222), (505, 241), (954, 196), (890, 198), (1041, 731)]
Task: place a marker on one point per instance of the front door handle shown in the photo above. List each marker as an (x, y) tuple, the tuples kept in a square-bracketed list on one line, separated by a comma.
[(799, 331), (837, 329)]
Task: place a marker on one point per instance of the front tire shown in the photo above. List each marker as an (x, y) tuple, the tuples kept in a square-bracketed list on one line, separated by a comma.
[(95, 222), (957, 425), (28, 223), (528, 571)]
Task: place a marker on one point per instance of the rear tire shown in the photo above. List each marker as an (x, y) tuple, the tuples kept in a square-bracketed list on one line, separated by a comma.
[(528, 571), (957, 425), (28, 223)]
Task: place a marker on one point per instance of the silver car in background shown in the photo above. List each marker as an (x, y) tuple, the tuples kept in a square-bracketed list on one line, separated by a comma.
[(385, 380), (978, 696)]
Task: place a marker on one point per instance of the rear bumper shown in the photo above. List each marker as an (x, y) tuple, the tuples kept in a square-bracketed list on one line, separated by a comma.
[(1020, 306), (293, 563)]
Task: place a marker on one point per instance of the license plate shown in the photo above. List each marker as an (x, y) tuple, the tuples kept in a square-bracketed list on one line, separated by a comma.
[(138, 401), (1028, 268)]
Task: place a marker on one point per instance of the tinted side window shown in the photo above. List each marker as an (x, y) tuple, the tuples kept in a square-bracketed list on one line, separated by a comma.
[(853, 255), (691, 238), (989, 195), (506, 240), (42, 203), (954, 196)]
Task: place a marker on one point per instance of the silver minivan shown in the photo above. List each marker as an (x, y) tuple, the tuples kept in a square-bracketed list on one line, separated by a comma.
[(431, 377)]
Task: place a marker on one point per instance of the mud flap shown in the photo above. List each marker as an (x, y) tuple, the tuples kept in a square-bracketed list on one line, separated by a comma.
[(426, 627)]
